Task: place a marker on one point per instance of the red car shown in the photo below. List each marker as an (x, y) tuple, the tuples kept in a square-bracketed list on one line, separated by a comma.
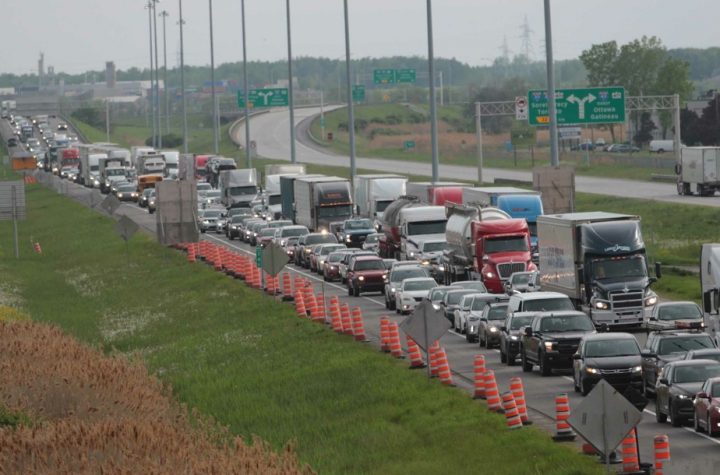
[(366, 274), (331, 266), (707, 408)]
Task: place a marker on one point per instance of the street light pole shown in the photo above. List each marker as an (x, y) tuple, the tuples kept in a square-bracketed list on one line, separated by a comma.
[(157, 76), (182, 80), (351, 112), (151, 99), (293, 159), (554, 157), (433, 105), (246, 93), (216, 145), (164, 14)]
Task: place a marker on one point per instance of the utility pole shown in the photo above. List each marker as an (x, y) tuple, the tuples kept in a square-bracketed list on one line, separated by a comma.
[(351, 112), (181, 22), (216, 138), (554, 157), (246, 93), (293, 158), (164, 14), (151, 99), (157, 76), (433, 105)]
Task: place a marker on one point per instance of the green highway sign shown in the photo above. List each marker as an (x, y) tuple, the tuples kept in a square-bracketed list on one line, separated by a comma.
[(595, 105), (384, 76), (409, 144), (406, 76), (358, 93), (273, 97), (259, 256)]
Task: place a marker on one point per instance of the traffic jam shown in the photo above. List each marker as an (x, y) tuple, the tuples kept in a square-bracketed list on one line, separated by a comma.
[(566, 295)]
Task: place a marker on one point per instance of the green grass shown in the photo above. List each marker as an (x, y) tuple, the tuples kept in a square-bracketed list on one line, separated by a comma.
[(247, 361), (13, 419)]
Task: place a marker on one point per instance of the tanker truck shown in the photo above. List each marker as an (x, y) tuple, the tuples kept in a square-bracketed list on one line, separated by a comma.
[(389, 242), (485, 244)]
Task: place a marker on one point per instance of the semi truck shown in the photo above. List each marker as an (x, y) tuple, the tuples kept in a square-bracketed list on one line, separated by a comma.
[(698, 171), (423, 190), (710, 284), (150, 165), (322, 200), (138, 151), (374, 193), (272, 193), (285, 169), (389, 242), (112, 171), (287, 194), (90, 167), (238, 188), (598, 260), (485, 244), (217, 165), (419, 224)]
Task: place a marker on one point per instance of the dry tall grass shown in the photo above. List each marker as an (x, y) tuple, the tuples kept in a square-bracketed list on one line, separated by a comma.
[(99, 414)]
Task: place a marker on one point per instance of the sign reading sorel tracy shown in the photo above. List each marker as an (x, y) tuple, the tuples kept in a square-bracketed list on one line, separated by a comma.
[(595, 105)]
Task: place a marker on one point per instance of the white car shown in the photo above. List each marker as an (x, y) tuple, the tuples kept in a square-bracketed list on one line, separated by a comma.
[(397, 274), (466, 321), (411, 292), (462, 312)]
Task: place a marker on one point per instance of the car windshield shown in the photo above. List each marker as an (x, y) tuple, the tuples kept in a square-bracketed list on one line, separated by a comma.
[(335, 257), (426, 227), (497, 312), (126, 188), (358, 224), (279, 224), (372, 238), (267, 232), (454, 298), (370, 264), (567, 323), (684, 344), (274, 200), (715, 390), (679, 311), (518, 322), (328, 249), (115, 172), (438, 294), (695, 373), (204, 187), (212, 194), (611, 348), (707, 356), (333, 211), (419, 285), (479, 304), (521, 279), (211, 214), (237, 219), (475, 285), (434, 246), (619, 268), (505, 244), (320, 239), (294, 232), (399, 275), (243, 190), (548, 305)]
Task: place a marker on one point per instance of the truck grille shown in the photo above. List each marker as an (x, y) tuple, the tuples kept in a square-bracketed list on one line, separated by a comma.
[(616, 371), (568, 347), (506, 270), (626, 300)]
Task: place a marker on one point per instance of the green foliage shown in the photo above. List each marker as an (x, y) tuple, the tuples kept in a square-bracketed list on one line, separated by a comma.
[(13, 419), (644, 133), (703, 130), (90, 116), (168, 141)]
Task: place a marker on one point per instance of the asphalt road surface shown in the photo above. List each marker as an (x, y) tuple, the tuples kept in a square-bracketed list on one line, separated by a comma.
[(271, 132)]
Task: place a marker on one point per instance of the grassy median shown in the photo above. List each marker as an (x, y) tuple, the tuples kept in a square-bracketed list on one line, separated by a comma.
[(247, 361)]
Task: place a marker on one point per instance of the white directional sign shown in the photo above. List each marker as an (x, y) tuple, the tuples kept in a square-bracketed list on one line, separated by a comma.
[(521, 108), (425, 325)]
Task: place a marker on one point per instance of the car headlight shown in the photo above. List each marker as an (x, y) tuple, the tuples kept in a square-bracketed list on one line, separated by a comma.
[(412, 254), (600, 305), (385, 277), (307, 251), (636, 369), (282, 243), (683, 396), (333, 267), (493, 329), (436, 306), (348, 238), (205, 221), (489, 275), (425, 263), (650, 301), (592, 370), (441, 268), (392, 289), (549, 345), (513, 337), (361, 278), (233, 227)]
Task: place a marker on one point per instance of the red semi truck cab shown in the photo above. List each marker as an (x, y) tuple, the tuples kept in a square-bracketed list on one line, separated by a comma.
[(200, 162), (502, 247), (441, 195)]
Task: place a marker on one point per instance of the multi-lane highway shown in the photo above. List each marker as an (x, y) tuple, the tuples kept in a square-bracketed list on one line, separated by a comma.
[(271, 133)]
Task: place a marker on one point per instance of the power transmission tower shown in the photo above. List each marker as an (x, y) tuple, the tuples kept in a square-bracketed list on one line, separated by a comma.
[(526, 38), (505, 49)]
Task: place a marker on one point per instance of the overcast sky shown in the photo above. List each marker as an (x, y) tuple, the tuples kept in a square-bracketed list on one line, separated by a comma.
[(78, 35)]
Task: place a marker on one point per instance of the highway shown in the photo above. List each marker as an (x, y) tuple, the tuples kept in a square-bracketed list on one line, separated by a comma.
[(692, 453), (271, 132)]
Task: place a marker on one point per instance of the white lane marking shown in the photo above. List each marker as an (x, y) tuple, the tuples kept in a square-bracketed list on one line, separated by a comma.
[(299, 271), (692, 431)]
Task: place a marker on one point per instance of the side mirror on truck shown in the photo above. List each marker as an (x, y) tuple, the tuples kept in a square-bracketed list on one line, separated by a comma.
[(658, 269)]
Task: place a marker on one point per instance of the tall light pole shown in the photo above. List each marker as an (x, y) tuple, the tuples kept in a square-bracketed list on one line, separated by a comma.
[(351, 112), (164, 14), (433, 105), (246, 93), (157, 75), (554, 157), (182, 80), (151, 99), (216, 144), (293, 159)]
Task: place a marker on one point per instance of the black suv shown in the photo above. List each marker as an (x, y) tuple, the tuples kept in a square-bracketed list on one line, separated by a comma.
[(662, 347), (552, 339), (511, 335)]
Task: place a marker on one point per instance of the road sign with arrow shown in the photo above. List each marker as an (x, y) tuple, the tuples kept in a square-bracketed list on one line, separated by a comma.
[(596, 105)]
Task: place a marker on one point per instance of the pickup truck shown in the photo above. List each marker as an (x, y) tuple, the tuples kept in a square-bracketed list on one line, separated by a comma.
[(552, 339)]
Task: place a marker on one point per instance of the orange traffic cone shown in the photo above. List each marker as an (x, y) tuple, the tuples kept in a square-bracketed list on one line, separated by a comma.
[(662, 452), (217, 262), (384, 334), (512, 416), (300, 305), (516, 386), (310, 304), (434, 367), (492, 395), (479, 376), (346, 319), (416, 359), (319, 315), (358, 327), (191, 257), (287, 289), (395, 345), (563, 431), (444, 368), (630, 458)]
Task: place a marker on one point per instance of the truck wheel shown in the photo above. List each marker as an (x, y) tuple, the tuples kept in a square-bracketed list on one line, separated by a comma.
[(527, 366), (545, 369), (350, 291)]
